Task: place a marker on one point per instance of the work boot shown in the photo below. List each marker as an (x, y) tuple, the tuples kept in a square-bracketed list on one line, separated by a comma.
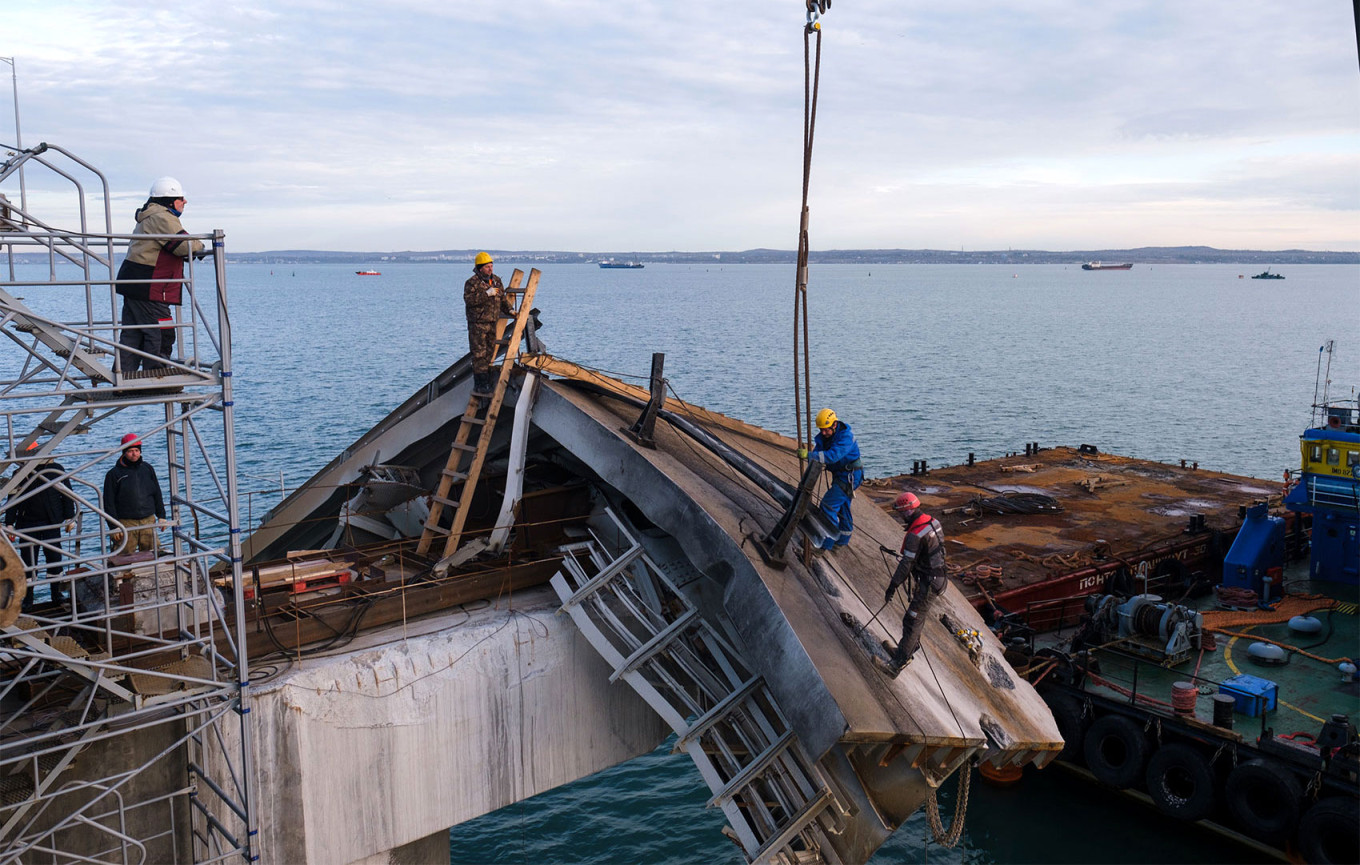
[(887, 668), (828, 544), (481, 388)]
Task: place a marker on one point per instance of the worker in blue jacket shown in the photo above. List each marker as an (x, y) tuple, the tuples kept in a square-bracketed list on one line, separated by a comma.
[(836, 448)]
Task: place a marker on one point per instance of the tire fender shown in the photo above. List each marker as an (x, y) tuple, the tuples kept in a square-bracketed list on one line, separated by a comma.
[(1329, 833), (1264, 800), (1181, 782), (1072, 719), (1116, 751)]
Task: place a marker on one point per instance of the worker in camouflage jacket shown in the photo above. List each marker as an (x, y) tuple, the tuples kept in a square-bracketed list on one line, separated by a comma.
[(922, 564), (486, 301)]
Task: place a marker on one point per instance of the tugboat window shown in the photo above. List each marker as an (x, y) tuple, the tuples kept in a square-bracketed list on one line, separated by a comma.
[(1333, 457), (1316, 454), (1352, 458)]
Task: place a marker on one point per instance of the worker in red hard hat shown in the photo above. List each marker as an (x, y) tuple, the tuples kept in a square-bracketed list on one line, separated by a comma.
[(923, 564), (132, 497)]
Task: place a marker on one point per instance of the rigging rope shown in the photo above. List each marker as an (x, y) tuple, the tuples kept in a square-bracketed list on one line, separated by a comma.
[(802, 379)]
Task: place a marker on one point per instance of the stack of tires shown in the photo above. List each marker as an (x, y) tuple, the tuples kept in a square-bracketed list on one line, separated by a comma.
[(1261, 798)]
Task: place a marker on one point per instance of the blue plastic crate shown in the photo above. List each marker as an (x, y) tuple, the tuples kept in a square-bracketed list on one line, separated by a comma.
[(1252, 696)]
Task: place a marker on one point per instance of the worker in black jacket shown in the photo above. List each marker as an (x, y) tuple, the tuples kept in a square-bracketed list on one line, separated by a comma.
[(132, 496), (922, 564), (39, 510)]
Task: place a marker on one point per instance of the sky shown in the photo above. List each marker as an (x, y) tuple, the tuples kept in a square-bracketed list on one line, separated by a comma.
[(653, 126)]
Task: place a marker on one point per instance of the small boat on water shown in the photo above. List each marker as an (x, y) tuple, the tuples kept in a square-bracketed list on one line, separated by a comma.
[(621, 265), (1266, 274), (1100, 265), (367, 273)]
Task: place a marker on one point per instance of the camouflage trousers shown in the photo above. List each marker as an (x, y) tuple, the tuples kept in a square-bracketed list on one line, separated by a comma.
[(482, 345), (141, 535)]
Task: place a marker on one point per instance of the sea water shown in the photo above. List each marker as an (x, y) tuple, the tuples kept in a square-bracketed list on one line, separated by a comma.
[(930, 362)]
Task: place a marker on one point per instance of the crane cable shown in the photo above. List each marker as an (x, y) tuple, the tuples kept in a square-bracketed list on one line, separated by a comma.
[(802, 398)]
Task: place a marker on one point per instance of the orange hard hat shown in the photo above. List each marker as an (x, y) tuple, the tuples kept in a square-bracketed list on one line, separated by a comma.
[(131, 440)]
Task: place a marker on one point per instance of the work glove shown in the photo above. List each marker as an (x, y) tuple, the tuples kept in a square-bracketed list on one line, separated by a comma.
[(802, 453), (887, 596)]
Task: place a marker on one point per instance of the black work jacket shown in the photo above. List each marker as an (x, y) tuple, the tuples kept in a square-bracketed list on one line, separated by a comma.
[(46, 508), (132, 492)]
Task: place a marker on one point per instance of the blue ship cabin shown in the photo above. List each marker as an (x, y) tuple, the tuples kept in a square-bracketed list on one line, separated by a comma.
[(1329, 490)]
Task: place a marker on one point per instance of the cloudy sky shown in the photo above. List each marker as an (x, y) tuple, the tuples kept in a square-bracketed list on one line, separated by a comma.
[(649, 125)]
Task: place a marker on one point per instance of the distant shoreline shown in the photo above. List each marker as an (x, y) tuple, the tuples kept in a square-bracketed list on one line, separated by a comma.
[(1141, 257)]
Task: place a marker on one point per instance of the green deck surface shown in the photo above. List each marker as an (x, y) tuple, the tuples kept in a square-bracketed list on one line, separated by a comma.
[(1310, 691)]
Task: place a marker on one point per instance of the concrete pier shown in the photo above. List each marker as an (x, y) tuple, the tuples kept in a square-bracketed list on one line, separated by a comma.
[(367, 754)]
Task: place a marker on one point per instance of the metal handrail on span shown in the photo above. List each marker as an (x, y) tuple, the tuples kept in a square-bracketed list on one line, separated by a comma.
[(146, 649)]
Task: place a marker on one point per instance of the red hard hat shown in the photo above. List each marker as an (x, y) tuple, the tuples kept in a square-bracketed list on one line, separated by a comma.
[(906, 502), (131, 439)]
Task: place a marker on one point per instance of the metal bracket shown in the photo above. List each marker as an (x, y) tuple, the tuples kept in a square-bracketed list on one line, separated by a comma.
[(641, 430), (772, 546)]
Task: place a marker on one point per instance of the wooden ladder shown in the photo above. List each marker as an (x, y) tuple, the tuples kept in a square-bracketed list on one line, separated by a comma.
[(456, 471)]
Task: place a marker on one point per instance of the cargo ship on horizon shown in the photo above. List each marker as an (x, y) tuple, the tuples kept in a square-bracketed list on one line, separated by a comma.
[(1098, 265)]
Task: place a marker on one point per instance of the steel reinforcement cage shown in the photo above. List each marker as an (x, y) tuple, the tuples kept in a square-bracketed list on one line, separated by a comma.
[(123, 677)]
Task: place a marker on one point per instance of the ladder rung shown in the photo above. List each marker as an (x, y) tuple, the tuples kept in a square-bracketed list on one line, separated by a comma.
[(472, 449), (716, 714), (467, 418), (653, 646), (438, 530), (612, 570), (797, 824), (457, 476), (448, 503), (749, 774)]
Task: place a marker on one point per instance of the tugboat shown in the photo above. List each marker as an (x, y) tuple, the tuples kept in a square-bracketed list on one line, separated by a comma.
[(1266, 274), (367, 273), (611, 264)]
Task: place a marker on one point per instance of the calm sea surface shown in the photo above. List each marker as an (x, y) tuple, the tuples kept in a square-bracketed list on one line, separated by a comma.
[(925, 362)]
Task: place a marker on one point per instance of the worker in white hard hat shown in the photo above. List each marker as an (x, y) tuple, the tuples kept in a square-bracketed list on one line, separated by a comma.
[(151, 278)]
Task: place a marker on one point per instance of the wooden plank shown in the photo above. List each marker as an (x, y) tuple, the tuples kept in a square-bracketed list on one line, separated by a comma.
[(323, 618), (565, 369)]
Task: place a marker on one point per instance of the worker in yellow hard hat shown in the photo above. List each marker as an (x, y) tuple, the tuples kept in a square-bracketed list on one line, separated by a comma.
[(835, 447), (486, 301)]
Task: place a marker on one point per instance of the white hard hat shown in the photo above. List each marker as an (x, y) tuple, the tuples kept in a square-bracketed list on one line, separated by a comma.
[(166, 187)]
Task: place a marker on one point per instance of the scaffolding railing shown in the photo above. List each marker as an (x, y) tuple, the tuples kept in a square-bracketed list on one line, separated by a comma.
[(123, 677)]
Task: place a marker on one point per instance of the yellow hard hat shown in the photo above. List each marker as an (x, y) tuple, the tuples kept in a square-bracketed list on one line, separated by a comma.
[(826, 418), (482, 258)]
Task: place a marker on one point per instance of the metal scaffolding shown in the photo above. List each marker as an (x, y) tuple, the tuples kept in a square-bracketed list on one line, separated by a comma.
[(124, 700)]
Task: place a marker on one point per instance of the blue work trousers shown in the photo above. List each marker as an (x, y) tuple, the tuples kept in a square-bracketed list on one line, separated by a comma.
[(836, 506)]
